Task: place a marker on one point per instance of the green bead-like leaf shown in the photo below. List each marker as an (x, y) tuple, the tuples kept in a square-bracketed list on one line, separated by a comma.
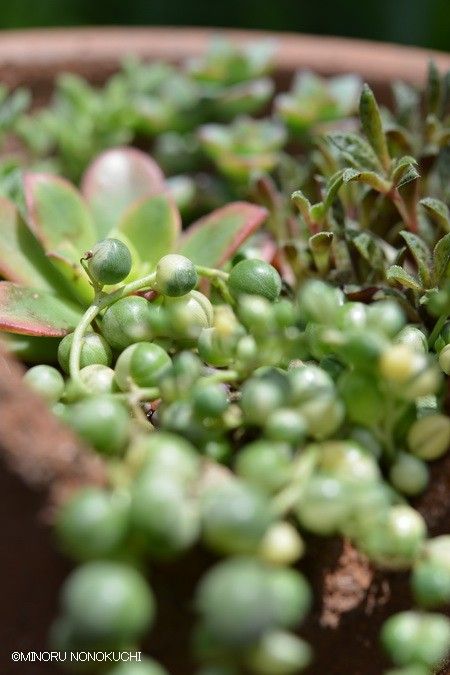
[(399, 275), (61, 222), (117, 179), (35, 312), (421, 254), (441, 258), (21, 256), (437, 211), (372, 125), (215, 238), (152, 225)]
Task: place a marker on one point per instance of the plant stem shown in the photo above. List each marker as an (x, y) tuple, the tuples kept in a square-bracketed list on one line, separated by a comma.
[(221, 376), (101, 301), (303, 469), (211, 273)]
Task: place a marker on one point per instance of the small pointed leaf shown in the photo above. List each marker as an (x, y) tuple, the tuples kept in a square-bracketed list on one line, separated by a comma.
[(401, 276), (152, 225), (437, 211), (369, 249), (421, 254), (35, 312), (355, 150), (433, 90), (405, 171), (441, 258), (303, 204), (333, 187), (212, 240), (369, 114), (370, 178), (320, 245), (117, 179)]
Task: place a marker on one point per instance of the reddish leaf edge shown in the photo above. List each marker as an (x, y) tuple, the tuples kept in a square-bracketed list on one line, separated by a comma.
[(256, 215)]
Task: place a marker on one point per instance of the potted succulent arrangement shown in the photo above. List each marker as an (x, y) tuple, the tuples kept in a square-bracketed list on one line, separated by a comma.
[(238, 301)]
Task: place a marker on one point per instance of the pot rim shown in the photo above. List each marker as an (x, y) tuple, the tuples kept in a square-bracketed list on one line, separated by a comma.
[(35, 56)]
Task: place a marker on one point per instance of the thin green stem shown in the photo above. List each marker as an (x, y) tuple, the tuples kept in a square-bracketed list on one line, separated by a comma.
[(101, 301), (211, 273), (302, 470), (222, 287), (143, 394), (438, 326), (75, 351), (221, 376)]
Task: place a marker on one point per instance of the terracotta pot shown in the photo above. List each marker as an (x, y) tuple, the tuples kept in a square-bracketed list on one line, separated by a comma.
[(43, 460)]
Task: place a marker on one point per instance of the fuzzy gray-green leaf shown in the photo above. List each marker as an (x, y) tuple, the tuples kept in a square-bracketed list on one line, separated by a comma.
[(401, 276), (437, 211), (421, 254)]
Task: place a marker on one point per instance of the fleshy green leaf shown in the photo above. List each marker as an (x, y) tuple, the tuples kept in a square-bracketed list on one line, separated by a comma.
[(401, 276), (61, 222), (35, 312), (58, 215), (152, 225), (421, 254), (441, 257), (215, 238), (437, 211), (21, 257), (30, 348), (117, 179)]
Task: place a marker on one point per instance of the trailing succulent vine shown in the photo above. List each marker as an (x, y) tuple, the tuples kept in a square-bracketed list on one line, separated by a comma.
[(276, 368)]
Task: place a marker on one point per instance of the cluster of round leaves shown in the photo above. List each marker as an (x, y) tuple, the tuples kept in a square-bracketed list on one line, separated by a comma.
[(274, 416)]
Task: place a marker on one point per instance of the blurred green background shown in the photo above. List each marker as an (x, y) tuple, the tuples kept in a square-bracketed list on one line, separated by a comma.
[(419, 22)]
